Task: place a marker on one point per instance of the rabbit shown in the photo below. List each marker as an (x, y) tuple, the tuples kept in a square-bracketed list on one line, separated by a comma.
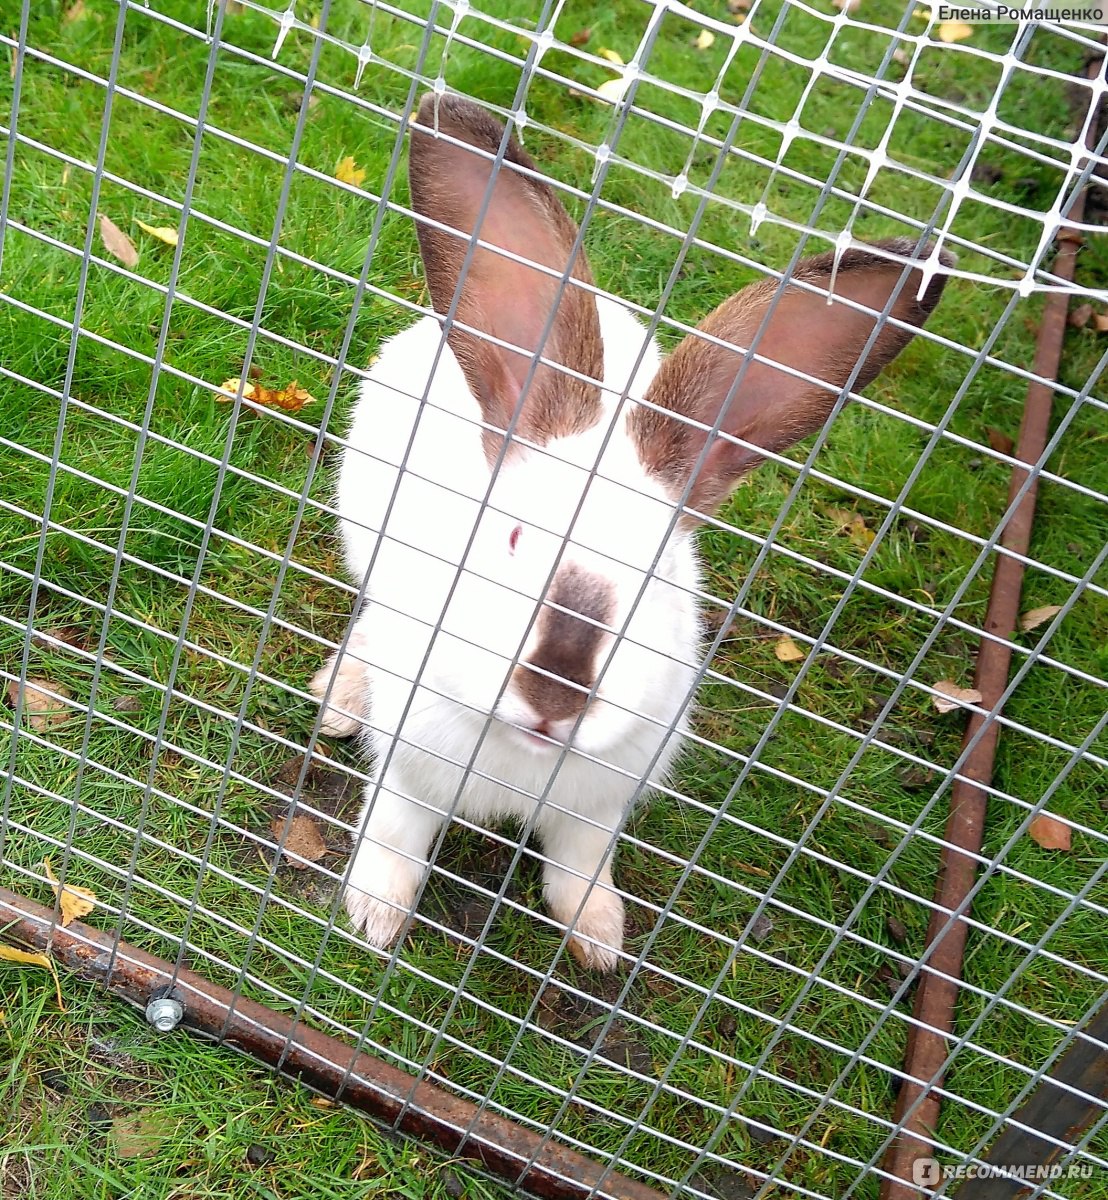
[(550, 680)]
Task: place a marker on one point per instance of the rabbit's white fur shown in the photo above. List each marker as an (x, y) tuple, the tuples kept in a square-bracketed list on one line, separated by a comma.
[(470, 651), (422, 743)]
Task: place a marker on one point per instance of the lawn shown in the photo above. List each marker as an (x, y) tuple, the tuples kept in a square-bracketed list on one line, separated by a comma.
[(184, 590)]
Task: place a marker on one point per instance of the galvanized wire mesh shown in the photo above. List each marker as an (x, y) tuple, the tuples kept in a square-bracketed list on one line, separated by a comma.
[(162, 736)]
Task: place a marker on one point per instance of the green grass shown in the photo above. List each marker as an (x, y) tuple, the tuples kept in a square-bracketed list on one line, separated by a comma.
[(218, 1104), (116, 1109)]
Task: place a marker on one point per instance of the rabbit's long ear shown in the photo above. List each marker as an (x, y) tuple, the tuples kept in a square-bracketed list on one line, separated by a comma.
[(509, 300), (811, 332)]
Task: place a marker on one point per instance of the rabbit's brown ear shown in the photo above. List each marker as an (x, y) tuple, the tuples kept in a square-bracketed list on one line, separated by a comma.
[(812, 332), (510, 300)]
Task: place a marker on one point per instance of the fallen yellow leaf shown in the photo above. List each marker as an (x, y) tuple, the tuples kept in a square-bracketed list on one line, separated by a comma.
[(954, 31), (75, 901), (229, 389), (117, 243), (953, 696), (787, 650), (24, 958), (612, 89), (612, 56), (1034, 617), (704, 39), (164, 233), (347, 172), (860, 533), (291, 398), (32, 958), (843, 517)]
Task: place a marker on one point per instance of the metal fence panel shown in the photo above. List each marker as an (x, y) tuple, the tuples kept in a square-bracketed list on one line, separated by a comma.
[(171, 576)]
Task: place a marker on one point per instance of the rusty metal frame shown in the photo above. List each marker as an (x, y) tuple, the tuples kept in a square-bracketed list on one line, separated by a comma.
[(918, 1104), (322, 1062)]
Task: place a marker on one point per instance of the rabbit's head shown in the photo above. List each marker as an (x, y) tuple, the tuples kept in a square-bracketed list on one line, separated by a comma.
[(587, 533)]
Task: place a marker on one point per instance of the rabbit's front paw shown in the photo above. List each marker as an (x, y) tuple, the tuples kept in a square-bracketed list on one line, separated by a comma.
[(381, 891), (597, 935), (379, 919), (346, 703)]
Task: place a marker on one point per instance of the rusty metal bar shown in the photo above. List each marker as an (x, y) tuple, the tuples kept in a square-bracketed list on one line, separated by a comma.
[(325, 1063), (937, 993)]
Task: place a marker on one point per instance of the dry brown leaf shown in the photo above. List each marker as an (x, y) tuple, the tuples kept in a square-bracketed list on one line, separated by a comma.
[(787, 650), (860, 533), (117, 243), (580, 37), (954, 696), (164, 233), (76, 901), (1100, 322), (901, 57), (704, 40), (304, 841), (612, 56), (32, 958), (954, 31), (1079, 316), (999, 440), (40, 709), (1050, 833), (291, 398), (141, 1134), (1034, 617), (843, 517), (75, 12), (739, 8), (846, 6), (347, 172), (62, 637)]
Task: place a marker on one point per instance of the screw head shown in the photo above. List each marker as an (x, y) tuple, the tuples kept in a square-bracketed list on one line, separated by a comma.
[(164, 1013)]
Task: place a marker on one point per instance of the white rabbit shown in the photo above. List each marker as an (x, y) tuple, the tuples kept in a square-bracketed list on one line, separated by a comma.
[(488, 691)]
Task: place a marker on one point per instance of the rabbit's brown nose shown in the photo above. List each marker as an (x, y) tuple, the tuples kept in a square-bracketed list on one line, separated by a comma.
[(556, 678)]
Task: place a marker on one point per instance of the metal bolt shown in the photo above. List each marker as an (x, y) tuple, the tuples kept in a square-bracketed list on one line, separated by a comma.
[(165, 1013)]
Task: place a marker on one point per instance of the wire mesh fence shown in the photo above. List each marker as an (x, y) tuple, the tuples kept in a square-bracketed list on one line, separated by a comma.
[(206, 233)]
